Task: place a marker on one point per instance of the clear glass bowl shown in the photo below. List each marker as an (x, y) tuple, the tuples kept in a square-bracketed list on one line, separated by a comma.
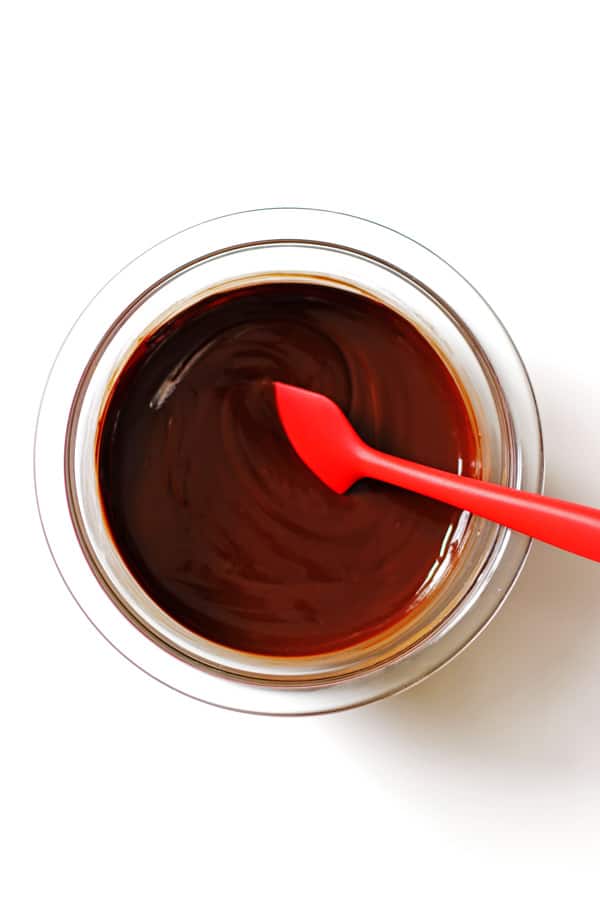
[(279, 245)]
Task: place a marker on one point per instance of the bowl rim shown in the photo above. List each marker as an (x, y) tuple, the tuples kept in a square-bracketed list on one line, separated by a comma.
[(211, 238)]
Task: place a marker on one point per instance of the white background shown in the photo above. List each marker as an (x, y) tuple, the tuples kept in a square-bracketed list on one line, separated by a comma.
[(472, 127)]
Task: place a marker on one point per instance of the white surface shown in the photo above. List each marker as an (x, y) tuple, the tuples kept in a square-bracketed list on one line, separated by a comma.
[(470, 126)]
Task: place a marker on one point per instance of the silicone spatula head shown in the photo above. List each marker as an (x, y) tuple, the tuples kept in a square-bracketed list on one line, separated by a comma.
[(320, 434)]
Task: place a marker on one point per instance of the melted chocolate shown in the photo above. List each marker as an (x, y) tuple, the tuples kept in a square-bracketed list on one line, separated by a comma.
[(216, 516)]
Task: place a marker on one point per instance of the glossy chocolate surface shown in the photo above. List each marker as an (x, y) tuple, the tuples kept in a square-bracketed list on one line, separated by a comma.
[(212, 511)]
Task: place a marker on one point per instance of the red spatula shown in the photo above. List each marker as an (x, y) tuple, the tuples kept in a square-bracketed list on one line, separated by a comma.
[(327, 443)]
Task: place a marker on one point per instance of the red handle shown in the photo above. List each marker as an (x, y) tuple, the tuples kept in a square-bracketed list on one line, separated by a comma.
[(566, 525)]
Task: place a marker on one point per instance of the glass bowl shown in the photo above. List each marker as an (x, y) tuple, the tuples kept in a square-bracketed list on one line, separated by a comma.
[(279, 245)]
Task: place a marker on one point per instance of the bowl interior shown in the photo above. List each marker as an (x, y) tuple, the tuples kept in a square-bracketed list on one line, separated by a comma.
[(448, 587)]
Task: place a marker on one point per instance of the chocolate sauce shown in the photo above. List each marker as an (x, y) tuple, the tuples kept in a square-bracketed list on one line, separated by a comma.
[(220, 521)]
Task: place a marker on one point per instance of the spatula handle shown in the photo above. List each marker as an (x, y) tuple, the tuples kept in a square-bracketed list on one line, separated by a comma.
[(566, 525)]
